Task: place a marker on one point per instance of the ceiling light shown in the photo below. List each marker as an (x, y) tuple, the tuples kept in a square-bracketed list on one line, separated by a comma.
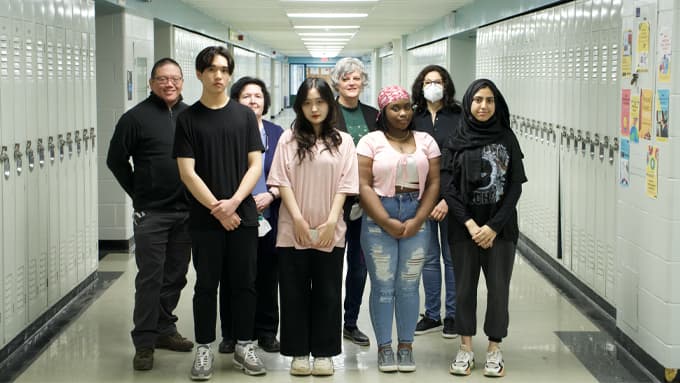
[(323, 39), (328, 1), (327, 15), (326, 27), (325, 34)]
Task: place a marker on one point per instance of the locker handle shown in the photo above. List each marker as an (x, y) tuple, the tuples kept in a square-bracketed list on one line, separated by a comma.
[(596, 142), (77, 140), (86, 138), (613, 148), (17, 158), (577, 139), (50, 147), (585, 143), (92, 136), (61, 143), (41, 152), (30, 155), (69, 142), (4, 158), (605, 144)]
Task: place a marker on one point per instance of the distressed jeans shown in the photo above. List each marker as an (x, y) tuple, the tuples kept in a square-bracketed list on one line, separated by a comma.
[(394, 266)]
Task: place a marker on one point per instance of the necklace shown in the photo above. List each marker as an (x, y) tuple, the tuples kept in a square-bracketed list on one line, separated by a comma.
[(398, 139)]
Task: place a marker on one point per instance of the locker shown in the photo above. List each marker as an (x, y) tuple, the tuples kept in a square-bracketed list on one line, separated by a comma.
[(67, 186), (51, 162), (5, 83), (92, 160), (76, 148)]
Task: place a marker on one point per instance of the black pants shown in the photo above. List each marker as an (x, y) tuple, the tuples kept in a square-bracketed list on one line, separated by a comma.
[(497, 263), (162, 253), (355, 281), (311, 284), (228, 258), (267, 288)]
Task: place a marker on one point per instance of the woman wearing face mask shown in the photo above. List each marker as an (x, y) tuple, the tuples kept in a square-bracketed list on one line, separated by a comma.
[(486, 183), (437, 112)]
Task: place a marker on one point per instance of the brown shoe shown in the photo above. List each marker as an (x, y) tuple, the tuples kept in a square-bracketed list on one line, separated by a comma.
[(174, 342), (143, 359)]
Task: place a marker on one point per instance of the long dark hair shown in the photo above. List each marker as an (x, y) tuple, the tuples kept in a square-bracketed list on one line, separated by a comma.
[(449, 101), (303, 132)]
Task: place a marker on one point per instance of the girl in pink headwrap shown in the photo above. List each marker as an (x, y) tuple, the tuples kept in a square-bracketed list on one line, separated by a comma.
[(398, 184)]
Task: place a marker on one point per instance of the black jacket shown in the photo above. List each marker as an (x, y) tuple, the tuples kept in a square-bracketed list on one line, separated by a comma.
[(146, 133)]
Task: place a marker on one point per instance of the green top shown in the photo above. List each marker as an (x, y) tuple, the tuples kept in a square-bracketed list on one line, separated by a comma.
[(355, 123)]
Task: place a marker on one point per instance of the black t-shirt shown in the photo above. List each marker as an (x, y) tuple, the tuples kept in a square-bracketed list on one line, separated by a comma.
[(219, 141), (493, 200)]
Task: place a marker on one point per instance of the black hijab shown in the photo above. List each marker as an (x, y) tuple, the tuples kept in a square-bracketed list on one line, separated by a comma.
[(474, 133)]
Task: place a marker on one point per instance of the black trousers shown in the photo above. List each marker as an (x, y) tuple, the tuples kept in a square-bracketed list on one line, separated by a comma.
[(228, 258), (311, 284), (267, 288), (496, 263), (355, 281), (162, 253)]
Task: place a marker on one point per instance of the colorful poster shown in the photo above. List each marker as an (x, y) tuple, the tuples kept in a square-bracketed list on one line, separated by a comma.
[(624, 164), (662, 116), (643, 47), (652, 171), (627, 58), (634, 118), (664, 54), (625, 112), (646, 97)]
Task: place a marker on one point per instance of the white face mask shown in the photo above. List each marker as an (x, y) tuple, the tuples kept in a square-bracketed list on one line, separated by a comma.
[(433, 92)]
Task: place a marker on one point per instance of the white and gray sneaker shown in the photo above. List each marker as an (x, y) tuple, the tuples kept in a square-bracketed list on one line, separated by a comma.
[(323, 366), (464, 362), (247, 359), (299, 366), (494, 365), (203, 363)]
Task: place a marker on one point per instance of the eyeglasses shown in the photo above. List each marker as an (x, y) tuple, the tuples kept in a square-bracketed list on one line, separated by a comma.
[(164, 80)]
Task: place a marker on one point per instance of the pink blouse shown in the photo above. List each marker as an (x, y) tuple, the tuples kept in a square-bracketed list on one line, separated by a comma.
[(386, 159), (314, 184)]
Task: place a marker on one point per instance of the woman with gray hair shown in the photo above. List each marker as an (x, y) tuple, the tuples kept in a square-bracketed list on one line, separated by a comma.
[(349, 78)]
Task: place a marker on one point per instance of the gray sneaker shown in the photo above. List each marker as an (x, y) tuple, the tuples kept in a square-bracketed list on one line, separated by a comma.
[(386, 362), (203, 363), (405, 360), (247, 360)]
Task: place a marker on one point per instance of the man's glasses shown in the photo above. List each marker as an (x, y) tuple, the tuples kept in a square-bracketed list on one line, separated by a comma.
[(165, 80)]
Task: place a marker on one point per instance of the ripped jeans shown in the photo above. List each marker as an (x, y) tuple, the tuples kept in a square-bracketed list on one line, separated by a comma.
[(394, 266)]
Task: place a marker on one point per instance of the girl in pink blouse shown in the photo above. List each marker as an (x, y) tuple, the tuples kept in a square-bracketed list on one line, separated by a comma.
[(314, 167), (399, 184)]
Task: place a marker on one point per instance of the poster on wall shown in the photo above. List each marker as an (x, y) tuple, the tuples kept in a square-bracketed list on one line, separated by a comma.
[(652, 171), (634, 118), (643, 47), (664, 54), (627, 58), (662, 116), (624, 164), (625, 112), (646, 97)]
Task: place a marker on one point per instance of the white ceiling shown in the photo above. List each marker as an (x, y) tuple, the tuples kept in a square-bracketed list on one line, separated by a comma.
[(266, 22)]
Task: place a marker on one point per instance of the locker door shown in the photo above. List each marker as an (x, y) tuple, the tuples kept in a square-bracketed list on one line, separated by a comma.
[(94, 224), (40, 163), (52, 163), (567, 136), (76, 157), (5, 114), (68, 179)]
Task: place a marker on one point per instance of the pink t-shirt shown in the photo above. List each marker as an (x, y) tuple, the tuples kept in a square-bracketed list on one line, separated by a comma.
[(314, 184), (386, 159)]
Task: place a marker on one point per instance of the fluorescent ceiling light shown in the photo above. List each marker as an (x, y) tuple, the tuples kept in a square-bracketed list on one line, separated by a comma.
[(326, 27), (327, 15), (328, 1), (325, 34), (324, 39)]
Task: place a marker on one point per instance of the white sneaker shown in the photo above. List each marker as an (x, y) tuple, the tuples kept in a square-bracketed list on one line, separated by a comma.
[(203, 363), (323, 366), (299, 366), (464, 362), (247, 360), (494, 365)]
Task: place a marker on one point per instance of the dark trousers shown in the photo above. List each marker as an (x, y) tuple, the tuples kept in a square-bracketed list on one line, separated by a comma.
[(162, 253), (311, 284), (355, 281), (496, 263), (228, 258), (267, 288)]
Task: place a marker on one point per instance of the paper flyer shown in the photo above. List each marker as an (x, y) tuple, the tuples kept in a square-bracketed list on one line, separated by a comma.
[(624, 164), (646, 97), (634, 118), (627, 58), (643, 47), (662, 115), (652, 171), (664, 54), (625, 112)]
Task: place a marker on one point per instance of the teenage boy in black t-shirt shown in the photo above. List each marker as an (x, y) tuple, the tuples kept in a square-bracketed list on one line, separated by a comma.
[(219, 154)]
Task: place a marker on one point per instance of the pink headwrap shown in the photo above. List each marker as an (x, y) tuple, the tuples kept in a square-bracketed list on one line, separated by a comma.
[(389, 95)]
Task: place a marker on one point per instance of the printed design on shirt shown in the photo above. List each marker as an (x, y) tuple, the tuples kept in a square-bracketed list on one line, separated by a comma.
[(495, 161)]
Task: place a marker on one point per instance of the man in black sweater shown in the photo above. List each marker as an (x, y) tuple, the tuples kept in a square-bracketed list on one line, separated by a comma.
[(162, 243)]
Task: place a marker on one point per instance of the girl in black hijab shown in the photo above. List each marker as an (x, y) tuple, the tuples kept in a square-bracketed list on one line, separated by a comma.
[(485, 162)]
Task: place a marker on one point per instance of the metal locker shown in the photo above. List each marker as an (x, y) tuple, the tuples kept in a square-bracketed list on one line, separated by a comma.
[(76, 146), (567, 136), (4, 119), (92, 160)]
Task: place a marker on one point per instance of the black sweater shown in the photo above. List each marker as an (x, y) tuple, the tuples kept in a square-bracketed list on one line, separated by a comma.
[(146, 133)]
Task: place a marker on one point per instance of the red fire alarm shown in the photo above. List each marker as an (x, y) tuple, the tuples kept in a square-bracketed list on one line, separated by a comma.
[(240, 37)]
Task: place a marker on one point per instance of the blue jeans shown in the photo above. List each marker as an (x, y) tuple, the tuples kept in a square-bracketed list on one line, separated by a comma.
[(432, 275), (394, 266)]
